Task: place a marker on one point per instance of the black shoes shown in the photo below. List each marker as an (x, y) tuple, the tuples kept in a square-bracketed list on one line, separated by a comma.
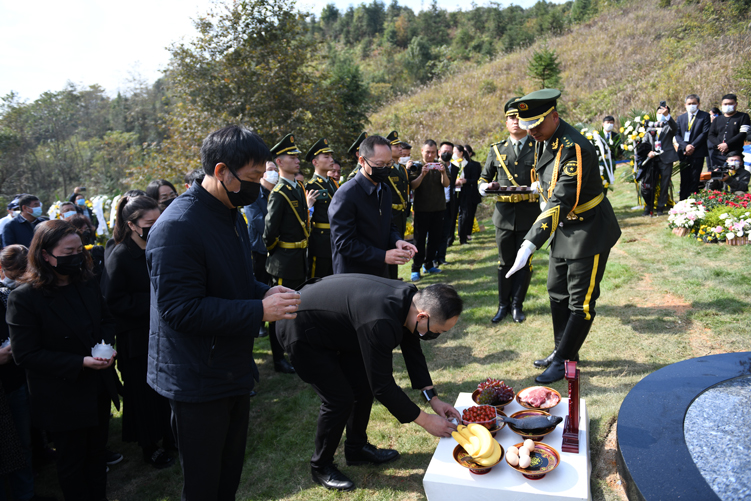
[(283, 366), (560, 314), (330, 477), (504, 294), (370, 454), (158, 459), (577, 329), (517, 313), (544, 362), (503, 310), (113, 457)]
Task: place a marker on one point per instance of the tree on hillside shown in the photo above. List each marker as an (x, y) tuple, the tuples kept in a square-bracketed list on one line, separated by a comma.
[(544, 68), (581, 10)]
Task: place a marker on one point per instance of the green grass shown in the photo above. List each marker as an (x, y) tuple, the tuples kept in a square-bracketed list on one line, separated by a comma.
[(664, 299)]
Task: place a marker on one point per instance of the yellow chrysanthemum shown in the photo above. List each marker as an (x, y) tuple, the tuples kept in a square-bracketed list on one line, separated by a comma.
[(646, 117), (641, 134), (621, 129)]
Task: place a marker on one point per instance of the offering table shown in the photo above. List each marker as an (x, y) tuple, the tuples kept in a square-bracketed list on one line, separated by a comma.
[(445, 480)]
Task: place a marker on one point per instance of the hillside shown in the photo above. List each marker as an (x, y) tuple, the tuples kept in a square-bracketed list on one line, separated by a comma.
[(629, 57)]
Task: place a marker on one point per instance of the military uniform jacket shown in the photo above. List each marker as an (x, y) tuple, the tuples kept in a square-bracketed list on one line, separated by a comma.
[(320, 231), (399, 183), (508, 215), (576, 213), (286, 224)]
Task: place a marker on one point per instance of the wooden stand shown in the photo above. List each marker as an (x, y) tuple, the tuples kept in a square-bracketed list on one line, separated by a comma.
[(571, 425)]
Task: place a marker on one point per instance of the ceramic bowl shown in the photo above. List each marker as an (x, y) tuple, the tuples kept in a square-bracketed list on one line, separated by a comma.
[(464, 459), (521, 394), (544, 460), (500, 406), (535, 435)]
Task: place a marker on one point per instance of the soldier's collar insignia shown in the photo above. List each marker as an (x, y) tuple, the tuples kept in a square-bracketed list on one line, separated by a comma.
[(554, 145), (503, 157)]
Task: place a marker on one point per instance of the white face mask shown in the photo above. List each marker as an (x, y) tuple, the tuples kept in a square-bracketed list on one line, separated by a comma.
[(728, 108), (271, 176), (403, 160), (608, 127), (734, 164), (691, 108), (663, 118), (16, 213)]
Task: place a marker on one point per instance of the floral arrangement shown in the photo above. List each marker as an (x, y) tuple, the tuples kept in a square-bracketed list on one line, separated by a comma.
[(604, 155), (711, 199), (732, 227), (686, 214), (633, 132)]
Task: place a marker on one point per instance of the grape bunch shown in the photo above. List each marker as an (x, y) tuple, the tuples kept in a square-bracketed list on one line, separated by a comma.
[(494, 392)]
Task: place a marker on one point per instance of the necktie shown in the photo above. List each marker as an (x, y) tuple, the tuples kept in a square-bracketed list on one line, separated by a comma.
[(516, 148)]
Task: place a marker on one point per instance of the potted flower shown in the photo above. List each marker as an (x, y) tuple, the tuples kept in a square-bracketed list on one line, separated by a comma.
[(734, 229), (685, 217)]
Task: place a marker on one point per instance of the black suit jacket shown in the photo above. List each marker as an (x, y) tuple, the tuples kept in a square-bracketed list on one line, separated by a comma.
[(125, 285), (698, 137), (361, 229), (469, 195), (49, 342)]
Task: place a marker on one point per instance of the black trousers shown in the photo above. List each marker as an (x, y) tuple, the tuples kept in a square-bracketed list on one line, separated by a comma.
[(576, 283), (399, 217), (211, 438), (467, 210), (690, 172), (341, 382), (449, 228), (508, 243), (428, 227), (660, 173), (81, 457)]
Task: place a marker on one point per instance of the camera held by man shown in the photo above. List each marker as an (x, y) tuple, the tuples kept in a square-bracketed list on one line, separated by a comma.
[(732, 176)]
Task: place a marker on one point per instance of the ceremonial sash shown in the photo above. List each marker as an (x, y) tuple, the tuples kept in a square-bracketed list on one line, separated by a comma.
[(503, 164)]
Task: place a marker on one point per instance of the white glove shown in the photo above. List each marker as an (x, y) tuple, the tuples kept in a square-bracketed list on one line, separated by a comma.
[(535, 187), (481, 188), (522, 257)]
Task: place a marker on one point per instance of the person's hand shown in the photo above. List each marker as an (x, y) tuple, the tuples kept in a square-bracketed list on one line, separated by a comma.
[(97, 363), (535, 187), (278, 289), (662, 111), (311, 196), (494, 186), (397, 256), (460, 181), (5, 355), (409, 164), (522, 257), (403, 245), (689, 149), (435, 425), (444, 409), (441, 167), (280, 306), (724, 178), (652, 154), (723, 147)]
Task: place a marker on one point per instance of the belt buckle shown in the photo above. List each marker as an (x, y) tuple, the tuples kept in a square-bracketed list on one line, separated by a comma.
[(516, 197)]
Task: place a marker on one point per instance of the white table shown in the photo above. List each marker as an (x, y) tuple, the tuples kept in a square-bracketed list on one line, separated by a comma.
[(445, 480)]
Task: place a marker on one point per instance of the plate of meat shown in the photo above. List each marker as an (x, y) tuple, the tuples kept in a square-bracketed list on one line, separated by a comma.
[(538, 397)]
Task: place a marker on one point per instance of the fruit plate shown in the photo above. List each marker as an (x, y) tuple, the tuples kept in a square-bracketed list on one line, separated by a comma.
[(534, 435), (544, 460), (493, 427), (541, 408), (464, 459), (500, 406)]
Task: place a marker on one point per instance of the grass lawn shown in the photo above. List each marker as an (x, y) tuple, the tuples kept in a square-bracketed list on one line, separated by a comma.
[(664, 299)]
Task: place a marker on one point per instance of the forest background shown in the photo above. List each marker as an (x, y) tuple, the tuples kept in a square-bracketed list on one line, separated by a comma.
[(435, 73)]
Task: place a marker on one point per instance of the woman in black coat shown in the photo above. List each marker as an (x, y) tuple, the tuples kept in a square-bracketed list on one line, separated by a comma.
[(469, 196), (125, 285), (55, 318)]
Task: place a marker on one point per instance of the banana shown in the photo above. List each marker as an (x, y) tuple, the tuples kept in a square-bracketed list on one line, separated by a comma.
[(462, 441), (485, 439), (475, 445), (494, 457), (464, 431)]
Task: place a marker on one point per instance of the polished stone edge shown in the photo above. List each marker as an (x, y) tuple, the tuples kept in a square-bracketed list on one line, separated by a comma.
[(652, 456)]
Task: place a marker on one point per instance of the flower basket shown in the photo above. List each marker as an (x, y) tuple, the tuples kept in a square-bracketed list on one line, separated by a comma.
[(681, 232), (737, 241)]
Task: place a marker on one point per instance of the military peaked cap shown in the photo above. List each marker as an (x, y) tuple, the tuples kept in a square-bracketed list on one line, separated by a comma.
[(534, 107), (322, 146), (510, 106), (285, 147), (356, 145), (393, 137)]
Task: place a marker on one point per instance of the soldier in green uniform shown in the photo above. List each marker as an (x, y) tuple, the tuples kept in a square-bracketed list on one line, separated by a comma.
[(511, 163), (286, 233), (319, 248), (398, 181), (577, 218), (354, 154)]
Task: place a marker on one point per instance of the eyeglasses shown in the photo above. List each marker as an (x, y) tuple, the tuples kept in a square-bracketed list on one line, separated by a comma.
[(386, 166)]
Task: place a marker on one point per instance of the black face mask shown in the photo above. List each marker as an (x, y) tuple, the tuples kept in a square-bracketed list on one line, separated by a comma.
[(86, 236), (247, 195), (144, 231), (165, 204), (380, 174), (446, 156), (428, 336), (69, 265)]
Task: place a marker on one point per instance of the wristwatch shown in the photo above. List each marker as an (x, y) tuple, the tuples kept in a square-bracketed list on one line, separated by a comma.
[(429, 394)]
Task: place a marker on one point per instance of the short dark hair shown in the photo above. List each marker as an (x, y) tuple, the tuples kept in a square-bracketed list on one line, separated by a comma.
[(193, 176), (13, 259), (40, 273), (429, 142), (715, 110), (367, 147), (441, 301), (131, 209), (337, 162), (62, 204), (447, 143), (730, 96), (152, 189), (693, 96), (609, 118), (135, 193), (26, 199), (233, 146)]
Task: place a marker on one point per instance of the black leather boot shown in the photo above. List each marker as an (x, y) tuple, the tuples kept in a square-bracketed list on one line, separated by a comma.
[(560, 314), (576, 332), (519, 285), (504, 293)]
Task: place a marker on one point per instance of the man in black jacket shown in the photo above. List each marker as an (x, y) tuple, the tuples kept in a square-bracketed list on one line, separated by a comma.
[(661, 156), (343, 349), (728, 131), (693, 129), (364, 237), (206, 307)]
